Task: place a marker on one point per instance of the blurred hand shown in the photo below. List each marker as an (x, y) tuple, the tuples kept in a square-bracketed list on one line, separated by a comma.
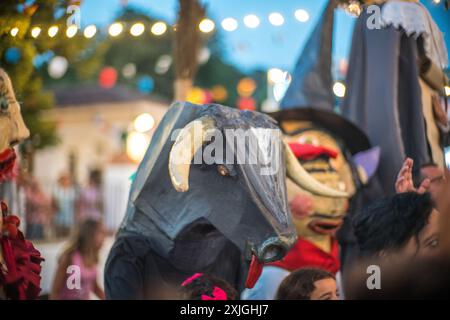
[(405, 182)]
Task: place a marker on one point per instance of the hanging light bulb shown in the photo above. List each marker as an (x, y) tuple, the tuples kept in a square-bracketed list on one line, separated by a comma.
[(52, 31), (71, 31), (159, 28), (251, 21), (206, 25), (229, 24), (339, 89), (137, 29), (35, 32), (14, 31), (90, 31), (276, 19), (115, 29)]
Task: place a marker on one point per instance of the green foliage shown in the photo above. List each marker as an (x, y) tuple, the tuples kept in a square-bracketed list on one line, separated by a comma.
[(26, 79)]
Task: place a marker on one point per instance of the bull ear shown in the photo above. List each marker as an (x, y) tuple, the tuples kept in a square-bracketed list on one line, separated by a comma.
[(187, 143), (304, 180)]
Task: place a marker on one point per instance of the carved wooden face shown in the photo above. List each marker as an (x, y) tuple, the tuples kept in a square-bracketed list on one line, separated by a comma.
[(321, 215), (12, 127)]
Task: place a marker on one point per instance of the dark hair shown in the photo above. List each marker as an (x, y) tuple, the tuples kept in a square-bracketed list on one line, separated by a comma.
[(204, 284), (389, 223), (82, 239), (299, 285)]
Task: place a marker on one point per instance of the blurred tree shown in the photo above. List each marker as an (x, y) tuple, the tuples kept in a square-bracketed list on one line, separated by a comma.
[(27, 80)]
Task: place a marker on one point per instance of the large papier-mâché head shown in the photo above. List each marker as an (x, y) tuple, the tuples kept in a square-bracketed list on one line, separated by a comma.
[(12, 127), (189, 179)]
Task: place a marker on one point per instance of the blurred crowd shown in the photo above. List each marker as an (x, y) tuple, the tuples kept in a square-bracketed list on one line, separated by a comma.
[(54, 215)]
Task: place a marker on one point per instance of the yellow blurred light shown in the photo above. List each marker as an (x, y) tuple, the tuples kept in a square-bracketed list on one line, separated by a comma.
[(206, 25), (276, 19), (115, 29), (137, 144), (137, 29), (251, 21), (447, 91), (219, 93), (246, 87), (90, 31), (437, 1), (52, 31), (339, 89), (35, 32), (229, 24), (196, 95), (159, 28), (14, 31), (301, 15), (71, 31), (143, 123)]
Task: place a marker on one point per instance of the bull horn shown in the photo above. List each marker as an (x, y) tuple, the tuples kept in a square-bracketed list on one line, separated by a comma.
[(188, 141), (303, 179)]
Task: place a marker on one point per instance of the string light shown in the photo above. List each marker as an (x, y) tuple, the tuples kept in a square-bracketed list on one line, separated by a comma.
[(229, 24), (206, 25), (159, 28), (301, 15), (52, 31), (14, 31), (35, 32), (447, 91), (115, 29), (137, 29), (71, 31), (251, 21), (276, 19), (90, 31)]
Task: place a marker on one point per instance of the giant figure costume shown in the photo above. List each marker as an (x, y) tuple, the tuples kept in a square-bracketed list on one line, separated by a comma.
[(217, 217), (393, 85), (332, 150), (20, 262)]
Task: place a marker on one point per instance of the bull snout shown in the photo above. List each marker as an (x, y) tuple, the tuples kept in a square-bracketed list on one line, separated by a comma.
[(275, 248)]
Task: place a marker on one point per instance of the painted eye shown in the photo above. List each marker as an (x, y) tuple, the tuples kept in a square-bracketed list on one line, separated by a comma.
[(4, 106), (223, 170)]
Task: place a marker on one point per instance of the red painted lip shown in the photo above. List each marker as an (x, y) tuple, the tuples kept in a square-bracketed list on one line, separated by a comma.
[(325, 227), (7, 161), (254, 272)]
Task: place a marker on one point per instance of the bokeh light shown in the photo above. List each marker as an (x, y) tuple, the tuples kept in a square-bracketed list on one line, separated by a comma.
[(251, 21), (229, 24)]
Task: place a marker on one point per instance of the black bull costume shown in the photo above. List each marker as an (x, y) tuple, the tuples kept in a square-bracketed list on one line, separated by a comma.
[(218, 218)]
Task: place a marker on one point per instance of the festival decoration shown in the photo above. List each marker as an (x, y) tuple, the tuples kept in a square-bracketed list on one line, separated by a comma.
[(57, 67), (107, 78), (146, 84), (13, 55), (246, 87)]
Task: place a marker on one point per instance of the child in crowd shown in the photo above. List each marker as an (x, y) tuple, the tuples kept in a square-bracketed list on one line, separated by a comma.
[(82, 252), (308, 284), (205, 287)]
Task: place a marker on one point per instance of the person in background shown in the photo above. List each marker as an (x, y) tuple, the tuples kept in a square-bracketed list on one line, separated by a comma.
[(90, 201), (64, 198), (37, 209), (206, 287), (406, 224), (308, 284), (82, 251)]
